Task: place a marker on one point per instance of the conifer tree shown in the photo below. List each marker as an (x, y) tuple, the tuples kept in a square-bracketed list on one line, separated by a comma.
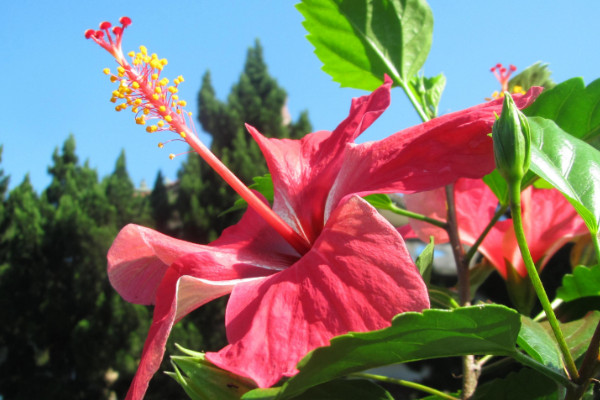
[(160, 204), (4, 180), (119, 191)]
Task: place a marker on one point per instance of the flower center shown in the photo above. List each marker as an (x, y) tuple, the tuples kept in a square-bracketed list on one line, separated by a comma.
[(151, 97)]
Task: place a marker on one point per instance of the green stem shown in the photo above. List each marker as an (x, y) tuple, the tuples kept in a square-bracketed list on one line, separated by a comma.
[(549, 372), (555, 303), (471, 369), (420, 217), (515, 205), (487, 229), (404, 383)]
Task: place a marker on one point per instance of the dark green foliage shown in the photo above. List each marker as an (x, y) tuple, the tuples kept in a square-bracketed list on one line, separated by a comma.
[(69, 331), (258, 100), (160, 204)]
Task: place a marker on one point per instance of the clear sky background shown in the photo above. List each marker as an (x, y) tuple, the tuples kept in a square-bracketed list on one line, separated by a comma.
[(53, 83)]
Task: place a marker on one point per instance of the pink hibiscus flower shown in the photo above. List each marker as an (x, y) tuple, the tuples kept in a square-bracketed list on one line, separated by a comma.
[(549, 222), (322, 262)]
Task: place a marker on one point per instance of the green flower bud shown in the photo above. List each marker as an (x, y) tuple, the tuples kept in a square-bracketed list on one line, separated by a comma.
[(512, 142)]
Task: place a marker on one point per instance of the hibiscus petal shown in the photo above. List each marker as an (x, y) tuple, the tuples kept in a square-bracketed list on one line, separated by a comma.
[(357, 276), (426, 156), (302, 170), (475, 207), (180, 292), (139, 257)]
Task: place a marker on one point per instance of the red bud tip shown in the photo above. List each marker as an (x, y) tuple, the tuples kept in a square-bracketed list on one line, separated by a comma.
[(99, 34), (89, 33), (117, 30), (498, 65), (512, 67), (105, 25), (125, 21)]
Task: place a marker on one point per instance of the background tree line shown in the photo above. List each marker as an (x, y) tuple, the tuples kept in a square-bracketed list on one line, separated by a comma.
[(64, 332)]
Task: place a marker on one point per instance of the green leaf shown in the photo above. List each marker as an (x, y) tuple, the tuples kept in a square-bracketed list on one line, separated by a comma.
[(498, 185), (570, 165), (425, 260), (339, 389), (574, 107), (359, 41), (263, 185), (537, 74), (540, 344), (526, 384), (489, 329), (583, 282), (579, 333), (441, 297), (202, 380), (429, 92)]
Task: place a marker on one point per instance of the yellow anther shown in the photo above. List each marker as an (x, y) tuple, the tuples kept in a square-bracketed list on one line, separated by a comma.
[(189, 113), (154, 76), (178, 111), (140, 120), (113, 99), (155, 64), (182, 103), (144, 50), (172, 89), (135, 109), (135, 85), (146, 111), (106, 71), (154, 56), (151, 128), (146, 59), (137, 102), (160, 145), (182, 134), (180, 78), (161, 123), (155, 96), (171, 156), (121, 71), (162, 109), (113, 78), (131, 54), (164, 61), (163, 82), (168, 118), (118, 108), (158, 90), (175, 97)]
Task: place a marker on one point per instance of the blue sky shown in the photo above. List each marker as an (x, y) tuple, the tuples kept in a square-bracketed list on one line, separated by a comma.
[(53, 82)]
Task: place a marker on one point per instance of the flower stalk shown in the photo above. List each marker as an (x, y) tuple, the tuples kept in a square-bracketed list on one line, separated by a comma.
[(512, 153)]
